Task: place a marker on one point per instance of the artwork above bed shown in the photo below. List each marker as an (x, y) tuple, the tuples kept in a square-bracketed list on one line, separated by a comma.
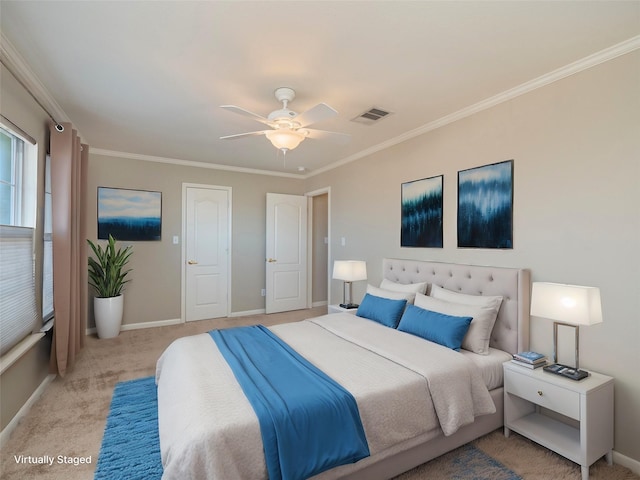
[(485, 206), (484, 214), (421, 214)]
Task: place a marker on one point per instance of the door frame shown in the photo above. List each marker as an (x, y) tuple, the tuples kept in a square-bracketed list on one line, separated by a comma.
[(183, 248), (315, 193)]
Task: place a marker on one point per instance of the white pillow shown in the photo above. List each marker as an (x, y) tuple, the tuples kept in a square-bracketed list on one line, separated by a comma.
[(484, 317), (465, 299), (404, 287), (380, 292)]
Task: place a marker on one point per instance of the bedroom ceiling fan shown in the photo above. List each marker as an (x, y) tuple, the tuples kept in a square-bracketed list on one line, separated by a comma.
[(288, 128)]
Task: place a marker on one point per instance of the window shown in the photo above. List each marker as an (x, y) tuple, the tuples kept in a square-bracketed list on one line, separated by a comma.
[(18, 198), (18, 179), (11, 162)]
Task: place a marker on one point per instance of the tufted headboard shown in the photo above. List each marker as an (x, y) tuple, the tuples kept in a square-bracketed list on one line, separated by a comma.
[(511, 331)]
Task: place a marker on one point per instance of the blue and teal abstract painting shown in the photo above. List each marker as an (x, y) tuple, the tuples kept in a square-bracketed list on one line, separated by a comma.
[(422, 213), (129, 214), (485, 206)]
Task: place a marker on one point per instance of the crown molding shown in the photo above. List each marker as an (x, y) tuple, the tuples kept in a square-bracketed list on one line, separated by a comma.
[(571, 69), (190, 163)]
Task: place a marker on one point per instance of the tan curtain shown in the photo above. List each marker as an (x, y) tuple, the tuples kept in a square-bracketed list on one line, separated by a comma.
[(69, 160)]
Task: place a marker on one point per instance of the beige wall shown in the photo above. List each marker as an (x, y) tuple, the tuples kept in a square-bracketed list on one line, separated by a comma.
[(20, 380), (319, 249), (154, 291), (576, 150)]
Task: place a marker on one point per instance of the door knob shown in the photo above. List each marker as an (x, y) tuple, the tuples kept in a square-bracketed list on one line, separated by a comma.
[(271, 260), (192, 262)]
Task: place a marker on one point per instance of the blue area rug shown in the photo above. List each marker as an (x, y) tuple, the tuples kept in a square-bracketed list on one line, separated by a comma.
[(468, 462), (131, 446)]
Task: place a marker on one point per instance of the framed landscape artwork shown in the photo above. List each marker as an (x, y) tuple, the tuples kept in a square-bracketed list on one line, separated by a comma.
[(485, 206), (421, 224), (129, 215)]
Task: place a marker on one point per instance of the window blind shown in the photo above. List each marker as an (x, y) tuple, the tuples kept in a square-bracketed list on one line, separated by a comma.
[(18, 312)]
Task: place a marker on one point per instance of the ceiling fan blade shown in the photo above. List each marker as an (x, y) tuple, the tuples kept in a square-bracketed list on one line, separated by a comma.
[(336, 137), (242, 135), (322, 111), (246, 113)]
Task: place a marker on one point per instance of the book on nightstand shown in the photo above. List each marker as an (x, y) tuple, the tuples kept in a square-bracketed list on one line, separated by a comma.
[(529, 365), (529, 359)]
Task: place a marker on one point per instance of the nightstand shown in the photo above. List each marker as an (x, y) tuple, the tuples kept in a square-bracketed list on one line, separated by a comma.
[(339, 309), (572, 418)]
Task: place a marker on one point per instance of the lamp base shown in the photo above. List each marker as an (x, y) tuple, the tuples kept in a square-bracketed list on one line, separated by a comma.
[(349, 306), (565, 371)]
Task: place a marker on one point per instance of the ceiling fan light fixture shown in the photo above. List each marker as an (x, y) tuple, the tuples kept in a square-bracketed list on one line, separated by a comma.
[(289, 128), (284, 139)]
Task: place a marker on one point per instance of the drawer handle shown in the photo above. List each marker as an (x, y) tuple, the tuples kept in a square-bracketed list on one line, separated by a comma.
[(540, 392)]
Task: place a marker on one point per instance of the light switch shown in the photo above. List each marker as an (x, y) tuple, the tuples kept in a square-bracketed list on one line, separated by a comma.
[(176, 240)]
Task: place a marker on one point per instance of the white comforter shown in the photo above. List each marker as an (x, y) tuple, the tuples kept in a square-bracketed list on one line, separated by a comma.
[(405, 388)]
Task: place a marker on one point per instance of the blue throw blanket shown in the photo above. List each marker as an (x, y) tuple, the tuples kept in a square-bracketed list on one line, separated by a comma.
[(308, 422)]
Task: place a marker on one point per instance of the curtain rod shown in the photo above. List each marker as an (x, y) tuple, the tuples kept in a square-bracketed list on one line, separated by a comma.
[(58, 126)]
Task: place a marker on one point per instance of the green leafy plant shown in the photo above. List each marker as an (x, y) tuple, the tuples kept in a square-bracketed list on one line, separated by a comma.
[(106, 273)]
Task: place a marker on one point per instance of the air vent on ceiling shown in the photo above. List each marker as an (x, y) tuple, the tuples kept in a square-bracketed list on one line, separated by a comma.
[(371, 116)]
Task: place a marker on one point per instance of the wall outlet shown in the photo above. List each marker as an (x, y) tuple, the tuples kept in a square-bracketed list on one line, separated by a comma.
[(263, 292)]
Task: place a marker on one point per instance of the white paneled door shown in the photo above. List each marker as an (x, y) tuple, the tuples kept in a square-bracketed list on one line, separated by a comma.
[(206, 249), (286, 262)]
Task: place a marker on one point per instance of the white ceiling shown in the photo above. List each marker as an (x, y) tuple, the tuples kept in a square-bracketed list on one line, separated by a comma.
[(148, 78)]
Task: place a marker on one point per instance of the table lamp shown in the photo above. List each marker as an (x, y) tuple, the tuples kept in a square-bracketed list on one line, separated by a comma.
[(569, 305), (349, 271)]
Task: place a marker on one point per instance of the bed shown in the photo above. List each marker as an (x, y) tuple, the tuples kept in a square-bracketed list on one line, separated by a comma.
[(208, 428)]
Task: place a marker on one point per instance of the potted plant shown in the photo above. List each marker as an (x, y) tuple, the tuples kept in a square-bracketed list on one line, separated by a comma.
[(107, 277)]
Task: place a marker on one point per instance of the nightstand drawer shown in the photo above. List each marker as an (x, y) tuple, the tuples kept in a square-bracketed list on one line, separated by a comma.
[(544, 394)]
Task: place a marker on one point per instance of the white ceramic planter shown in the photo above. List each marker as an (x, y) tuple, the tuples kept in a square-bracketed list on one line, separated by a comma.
[(108, 315)]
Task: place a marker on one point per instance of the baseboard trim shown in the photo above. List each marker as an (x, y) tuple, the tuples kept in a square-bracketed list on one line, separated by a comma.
[(8, 430), (628, 462), (246, 313), (319, 304), (141, 325), (157, 323)]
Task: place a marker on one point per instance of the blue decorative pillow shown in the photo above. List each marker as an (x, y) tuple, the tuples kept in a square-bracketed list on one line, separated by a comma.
[(382, 310), (446, 330)]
